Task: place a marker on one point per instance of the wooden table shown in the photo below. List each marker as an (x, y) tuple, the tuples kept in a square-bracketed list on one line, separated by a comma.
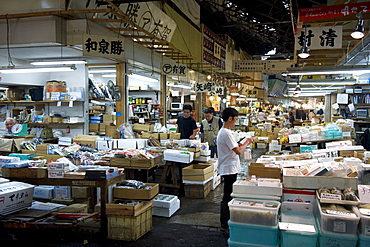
[(103, 184)]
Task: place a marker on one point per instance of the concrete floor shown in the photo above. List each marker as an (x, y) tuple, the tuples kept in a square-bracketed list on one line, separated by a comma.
[(196, 223)]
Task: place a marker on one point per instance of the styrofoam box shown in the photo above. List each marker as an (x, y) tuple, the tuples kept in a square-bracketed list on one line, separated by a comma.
[(295, 138), (164, 201), (244, 187), (364, 221), (8, 159), (63, 192), (126, 143), (104, 145), (181, 142), (274, 148), (202, 158), (261, 145), (56, 174), (256, 212), (254, 234), (216, 181), (44, 192), (297, 229), (342, 224), (178, 156), (166, 212), (327, 239), (15, 196)]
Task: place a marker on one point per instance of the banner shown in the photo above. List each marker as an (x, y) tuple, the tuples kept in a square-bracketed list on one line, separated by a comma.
[(211, 88), (261, 65), (174, 68), (333, 11), (102, 46), (329, 37)]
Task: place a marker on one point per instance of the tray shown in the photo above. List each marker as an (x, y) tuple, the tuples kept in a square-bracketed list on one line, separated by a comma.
[(342, 202)]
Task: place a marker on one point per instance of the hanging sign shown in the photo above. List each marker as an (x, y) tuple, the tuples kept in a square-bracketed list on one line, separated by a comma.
[(332, 11), (329, 37), (176, 69), (210, 87), (102, 46), (261, 65)]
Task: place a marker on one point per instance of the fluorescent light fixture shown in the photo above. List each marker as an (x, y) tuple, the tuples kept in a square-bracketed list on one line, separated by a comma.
[(329, 70), (109, 75), (58, 62), (308, 94), (324, 82), (143, 78), (102, 71), (16, 70), (179, 86), (317, 88)]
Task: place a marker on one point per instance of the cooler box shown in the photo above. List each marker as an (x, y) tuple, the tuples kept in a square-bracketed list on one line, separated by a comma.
[(254, 212), (254, 234), (297, 229), (363, 241), (15, 196), (327, 239)]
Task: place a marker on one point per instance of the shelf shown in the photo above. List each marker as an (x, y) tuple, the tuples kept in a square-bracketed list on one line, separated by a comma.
[(140, 112), (362, 104), (30, 123), (43, 101), (139, 104)]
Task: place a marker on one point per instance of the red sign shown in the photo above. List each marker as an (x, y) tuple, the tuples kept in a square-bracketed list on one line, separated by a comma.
[(333, 11)]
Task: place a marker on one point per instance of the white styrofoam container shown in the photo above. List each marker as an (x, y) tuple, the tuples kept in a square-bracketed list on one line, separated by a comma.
[(244, 187), (178, 156), (56, 174), (216, 181), (43, 192), (181, 142), (126, 143), (15, 196), (166, 212), (254, 212), (202, 158), (3, 180), (7, 159), (63, 192), (164, 201), (343, 224), (64, 140), (104, 145), (364, 222)]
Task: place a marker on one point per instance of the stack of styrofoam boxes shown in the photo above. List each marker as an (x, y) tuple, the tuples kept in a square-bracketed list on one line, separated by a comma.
[(297, 224), (57, 169), (253, 223), (216, 174), (260, 189), (6, 160), (338, 228), (43, 192), (165, 205)]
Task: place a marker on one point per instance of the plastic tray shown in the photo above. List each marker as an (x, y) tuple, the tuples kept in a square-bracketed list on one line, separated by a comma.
[(262, 213), (342, 202)]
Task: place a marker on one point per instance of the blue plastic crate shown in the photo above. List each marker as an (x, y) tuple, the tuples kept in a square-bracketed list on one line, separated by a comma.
[(254, 234), (22, 156), (290, 238), (238, 244), (327, 239), (363, 241)]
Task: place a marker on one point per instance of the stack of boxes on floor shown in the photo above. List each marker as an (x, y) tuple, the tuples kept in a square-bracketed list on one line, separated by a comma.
[(325, 200)]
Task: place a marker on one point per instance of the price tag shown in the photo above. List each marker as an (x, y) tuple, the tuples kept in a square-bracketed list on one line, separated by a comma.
[(340, 213), (59, 103), (296, 227), (141, 120), (330, 196), (70, 103)]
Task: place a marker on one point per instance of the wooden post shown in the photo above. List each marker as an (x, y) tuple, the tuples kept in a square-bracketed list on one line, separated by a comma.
[(121, 115)]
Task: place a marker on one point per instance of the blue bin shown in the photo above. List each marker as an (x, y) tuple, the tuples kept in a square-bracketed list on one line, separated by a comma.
[(238, 244), (254, 234), (327, 239), (22, 156), (363, 241)]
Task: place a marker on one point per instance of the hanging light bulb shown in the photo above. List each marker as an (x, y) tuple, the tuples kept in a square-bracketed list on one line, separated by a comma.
[(304, 52), (359, 31), (209, 77)]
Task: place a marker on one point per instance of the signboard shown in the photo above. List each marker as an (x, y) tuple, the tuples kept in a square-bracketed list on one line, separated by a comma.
[(145, 14), (329, 37), (174, 69), (261, 65), (214, 49), (211, 88), (332, 11), (102, 46)]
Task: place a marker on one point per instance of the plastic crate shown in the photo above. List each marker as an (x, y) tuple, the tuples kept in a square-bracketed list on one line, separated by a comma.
[(254, 212), (363, 241), (341, 224), (364, 224), (238, 244), (293, 238), (327, 239), (254, 234)]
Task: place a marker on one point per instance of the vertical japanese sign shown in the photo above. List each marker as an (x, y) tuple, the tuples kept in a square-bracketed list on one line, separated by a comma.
[(176, 69), (329, 37), (102, 46), (214, 48)]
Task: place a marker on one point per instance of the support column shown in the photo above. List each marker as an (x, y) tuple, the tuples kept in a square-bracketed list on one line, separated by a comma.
[(121, 106), (164, 98)]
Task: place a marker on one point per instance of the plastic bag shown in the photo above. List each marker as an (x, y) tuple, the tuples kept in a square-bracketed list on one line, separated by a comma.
[(126, 129)]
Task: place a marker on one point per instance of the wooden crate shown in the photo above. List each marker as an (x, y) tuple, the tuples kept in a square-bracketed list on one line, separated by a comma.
[(129, 228), (146, 163), (197, 191), (120, 162), (24, 172)]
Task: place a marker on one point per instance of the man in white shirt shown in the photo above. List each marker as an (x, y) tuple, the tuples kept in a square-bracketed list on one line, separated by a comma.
[(228, 161)]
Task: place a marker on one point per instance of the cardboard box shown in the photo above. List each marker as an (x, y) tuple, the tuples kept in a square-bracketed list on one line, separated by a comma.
[(7, 145), (197, 191), (94, 127), (15, 196), (147, 135), (56, 86), (136, 194), (359, 154), (75, 208), (111, 130), (114, 208), (48, 157), (260, 170), (120, 162), (43, 192), (81, 192), (163, 136), (86, 140), (102, 126), (175, 136), (63, 192), (109, 118), (197, 172), (35, 172), (346, 153), (143, 127)]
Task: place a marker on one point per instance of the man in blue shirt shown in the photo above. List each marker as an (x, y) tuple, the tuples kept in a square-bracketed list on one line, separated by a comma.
[(186, 125)]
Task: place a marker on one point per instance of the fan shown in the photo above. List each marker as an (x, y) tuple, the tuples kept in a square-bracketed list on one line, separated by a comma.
[(114, 91)]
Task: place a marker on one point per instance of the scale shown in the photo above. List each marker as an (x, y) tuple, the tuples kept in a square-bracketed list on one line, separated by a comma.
[(20, 130)]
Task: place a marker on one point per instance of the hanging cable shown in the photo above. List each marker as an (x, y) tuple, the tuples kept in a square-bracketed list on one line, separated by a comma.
[(10, 61)]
